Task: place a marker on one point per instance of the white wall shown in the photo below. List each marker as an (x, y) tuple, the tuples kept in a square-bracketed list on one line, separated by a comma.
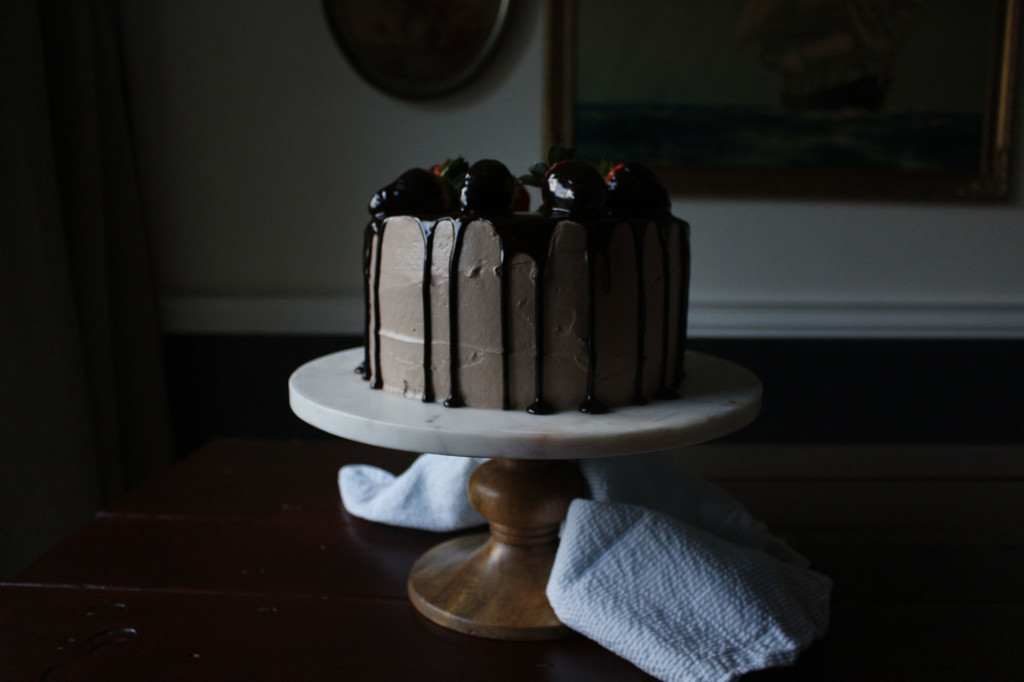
[(260, 147)]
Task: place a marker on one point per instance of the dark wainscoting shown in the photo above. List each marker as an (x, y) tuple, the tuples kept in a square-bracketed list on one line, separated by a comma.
[(816, 391)]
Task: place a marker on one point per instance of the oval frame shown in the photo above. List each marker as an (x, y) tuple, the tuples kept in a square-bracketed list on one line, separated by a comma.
[(407, 49)]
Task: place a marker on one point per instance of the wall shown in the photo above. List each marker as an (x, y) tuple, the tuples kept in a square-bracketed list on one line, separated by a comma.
[(260, 148)]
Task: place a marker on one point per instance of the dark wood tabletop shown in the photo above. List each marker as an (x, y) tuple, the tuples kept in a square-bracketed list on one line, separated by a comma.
[(239, 563)]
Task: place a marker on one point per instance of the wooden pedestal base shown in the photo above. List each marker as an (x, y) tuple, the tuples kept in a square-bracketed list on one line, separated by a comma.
[(493, 585)]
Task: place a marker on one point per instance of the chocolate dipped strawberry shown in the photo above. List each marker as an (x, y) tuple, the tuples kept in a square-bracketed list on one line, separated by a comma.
[(573, 187), (416, 192), (634, 190), (488, 189)]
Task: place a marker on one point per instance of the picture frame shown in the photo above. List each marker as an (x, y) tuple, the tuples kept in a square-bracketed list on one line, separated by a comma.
[(701, 93), (417, 49)]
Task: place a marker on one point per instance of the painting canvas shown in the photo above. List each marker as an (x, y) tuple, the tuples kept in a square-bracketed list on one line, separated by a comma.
[(888, 96)]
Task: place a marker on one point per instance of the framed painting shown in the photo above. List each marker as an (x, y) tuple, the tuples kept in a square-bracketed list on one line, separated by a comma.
[(872, 99), (417, 49)]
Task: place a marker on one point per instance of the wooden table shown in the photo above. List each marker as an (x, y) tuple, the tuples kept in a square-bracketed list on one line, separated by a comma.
[(239, 563)]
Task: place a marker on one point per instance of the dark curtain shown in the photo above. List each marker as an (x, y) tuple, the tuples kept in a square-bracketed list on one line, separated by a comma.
[(82, 402)]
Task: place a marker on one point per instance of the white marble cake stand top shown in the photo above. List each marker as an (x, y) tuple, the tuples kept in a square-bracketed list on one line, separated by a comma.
[(718, 398)]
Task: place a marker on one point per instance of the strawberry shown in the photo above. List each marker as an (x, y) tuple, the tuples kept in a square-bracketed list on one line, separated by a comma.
[(634, 189), (415, 192), (520, 199), (611, 174), (573, 186), (488, 188)]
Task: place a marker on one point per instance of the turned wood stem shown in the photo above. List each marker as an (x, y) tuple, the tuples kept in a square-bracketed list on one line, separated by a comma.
[(493, 585), (524, 501)]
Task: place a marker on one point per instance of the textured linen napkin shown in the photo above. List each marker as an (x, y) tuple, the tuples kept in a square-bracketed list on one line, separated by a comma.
[(429, 495), (657, 565)]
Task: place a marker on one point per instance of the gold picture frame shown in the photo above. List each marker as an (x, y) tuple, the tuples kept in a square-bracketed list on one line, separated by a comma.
[(674, 84)]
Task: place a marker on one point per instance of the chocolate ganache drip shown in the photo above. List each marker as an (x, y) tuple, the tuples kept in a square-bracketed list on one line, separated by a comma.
[(572, 190), (416, 192), (634, 191)]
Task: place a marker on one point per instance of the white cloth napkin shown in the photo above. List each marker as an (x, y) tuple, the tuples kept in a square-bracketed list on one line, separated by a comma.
[(658, 565), (429, 495)]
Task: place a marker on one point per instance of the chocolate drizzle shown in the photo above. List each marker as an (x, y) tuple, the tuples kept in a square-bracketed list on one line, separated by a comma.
[(684, 301), (454, 395), (505, 273), (364, 367), (597, 243), (665, 392), (639, 248), (428, 229), (531, 235), (377, 381)]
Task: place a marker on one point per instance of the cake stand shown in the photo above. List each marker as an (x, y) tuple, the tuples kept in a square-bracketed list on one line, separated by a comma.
[(492, 584)]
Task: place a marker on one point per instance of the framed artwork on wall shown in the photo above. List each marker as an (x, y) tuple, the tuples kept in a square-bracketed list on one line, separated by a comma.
[(417, 49), (870, 99)]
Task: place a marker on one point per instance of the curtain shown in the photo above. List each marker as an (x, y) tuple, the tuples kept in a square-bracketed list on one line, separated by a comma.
[(83, 412)]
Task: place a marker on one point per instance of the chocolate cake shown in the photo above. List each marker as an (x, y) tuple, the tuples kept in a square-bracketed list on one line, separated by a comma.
[(471, 301)]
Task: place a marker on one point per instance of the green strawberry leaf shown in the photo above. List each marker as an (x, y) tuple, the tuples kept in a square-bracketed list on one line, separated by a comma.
[(538, 170), (453, 173), (605, 167)]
